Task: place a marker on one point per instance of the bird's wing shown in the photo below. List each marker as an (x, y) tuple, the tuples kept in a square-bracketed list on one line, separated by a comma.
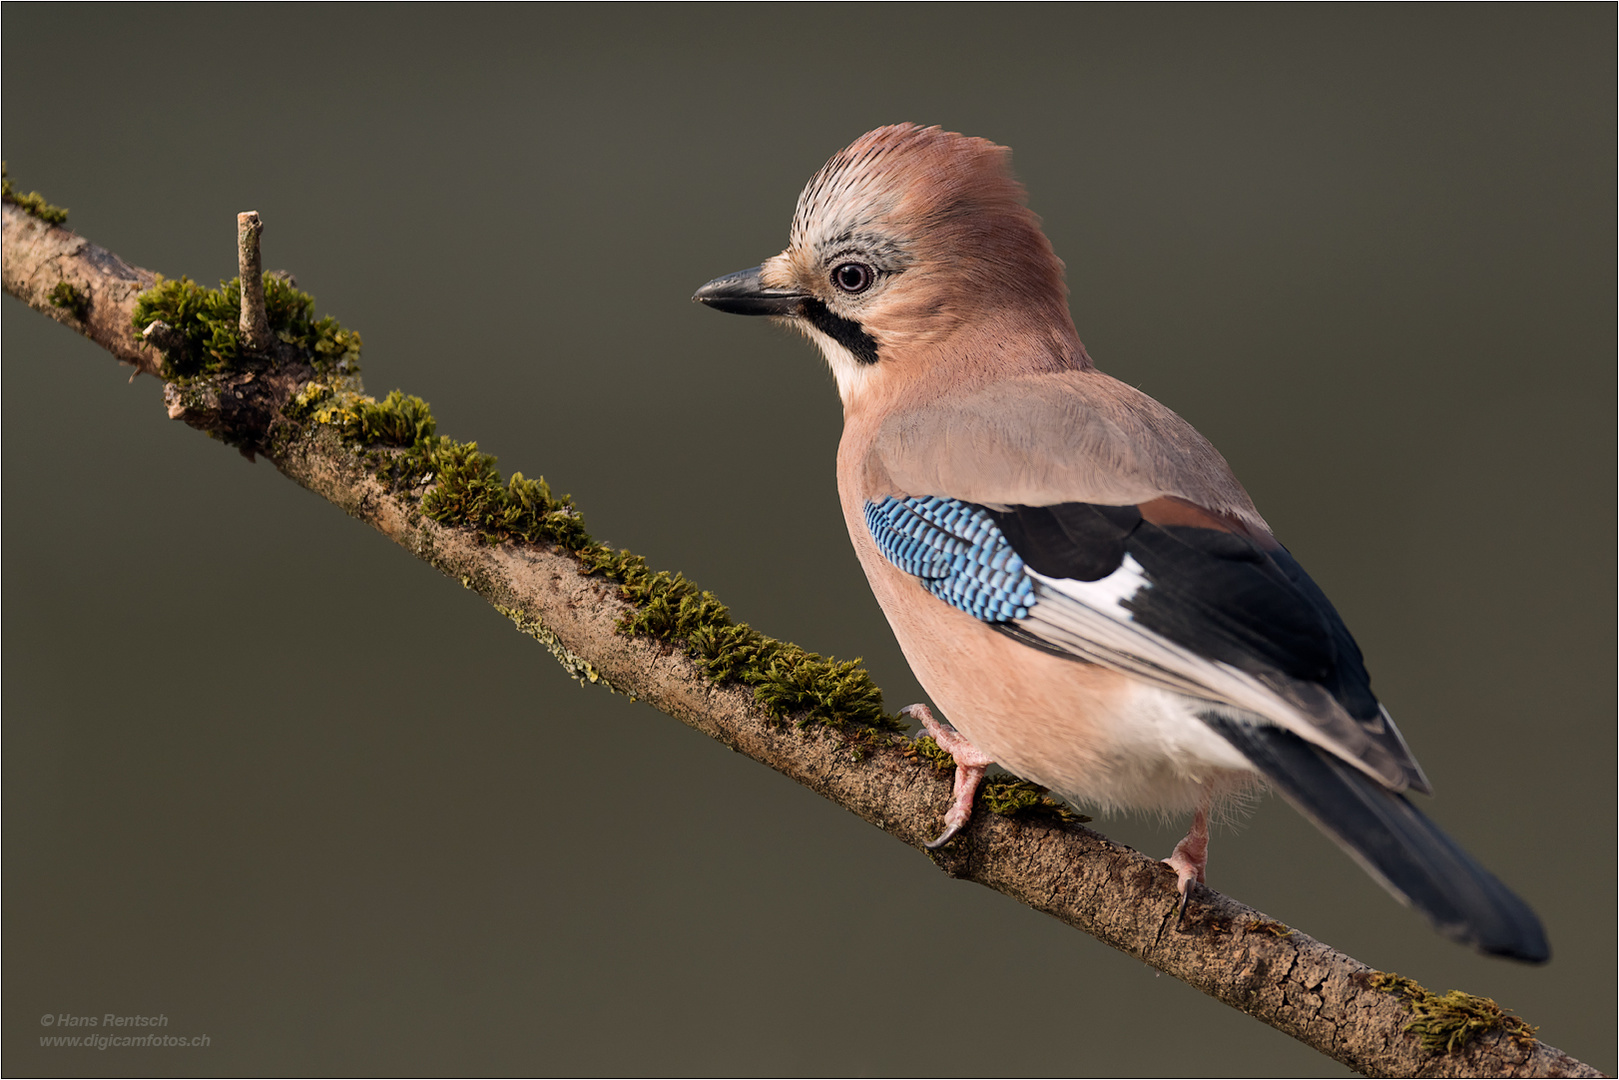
[(1073, 526), (1181, 588), (1197, 610)]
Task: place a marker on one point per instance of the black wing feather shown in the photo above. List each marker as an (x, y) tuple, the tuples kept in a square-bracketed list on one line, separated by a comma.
[(1082, 541), (1393, 840), (1214, 592)]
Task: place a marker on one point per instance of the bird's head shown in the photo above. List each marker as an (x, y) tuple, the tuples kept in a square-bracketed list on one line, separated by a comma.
[(913, 256)]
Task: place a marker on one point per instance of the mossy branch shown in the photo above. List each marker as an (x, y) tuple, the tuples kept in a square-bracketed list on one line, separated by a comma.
[(33, 202), (611, 618)]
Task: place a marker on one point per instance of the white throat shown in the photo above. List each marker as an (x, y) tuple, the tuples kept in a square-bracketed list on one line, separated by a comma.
[(851, 374)]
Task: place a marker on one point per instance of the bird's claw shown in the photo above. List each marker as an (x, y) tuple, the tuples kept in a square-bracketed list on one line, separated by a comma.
[(970, 765), (1190, 860)]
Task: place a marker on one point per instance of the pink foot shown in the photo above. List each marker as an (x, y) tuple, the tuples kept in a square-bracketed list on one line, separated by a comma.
[(970, 765), (1190, 858)]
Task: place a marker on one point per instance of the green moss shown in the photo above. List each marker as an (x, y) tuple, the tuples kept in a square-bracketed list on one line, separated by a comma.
[(1447, 1022), (209, 322), (207, 319), (925, 749), (396, 420), (468, 491), (334, 348), (307, 402), (1012, 797), (786, 679), (71, 300), (824, 690), (33, 202)]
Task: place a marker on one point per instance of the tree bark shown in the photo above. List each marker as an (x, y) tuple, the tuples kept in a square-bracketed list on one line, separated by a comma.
[(254, 323), (1291, 981)]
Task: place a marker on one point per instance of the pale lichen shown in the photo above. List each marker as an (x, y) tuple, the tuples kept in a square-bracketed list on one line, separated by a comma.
[(578, 668)]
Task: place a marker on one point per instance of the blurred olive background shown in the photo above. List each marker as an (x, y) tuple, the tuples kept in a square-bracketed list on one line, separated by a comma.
[(268, 775)]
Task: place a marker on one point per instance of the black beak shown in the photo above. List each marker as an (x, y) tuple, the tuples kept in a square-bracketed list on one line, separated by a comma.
[(742, 293)]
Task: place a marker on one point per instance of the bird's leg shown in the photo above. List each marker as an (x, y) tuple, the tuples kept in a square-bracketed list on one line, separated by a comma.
[(1191, 857), (970, 764)]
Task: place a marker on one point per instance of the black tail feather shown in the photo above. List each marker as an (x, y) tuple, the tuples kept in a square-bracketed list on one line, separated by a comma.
[(1393, 840)]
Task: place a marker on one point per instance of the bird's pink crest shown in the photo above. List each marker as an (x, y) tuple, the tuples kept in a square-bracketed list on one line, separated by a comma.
[(954, 194), (896, 168)]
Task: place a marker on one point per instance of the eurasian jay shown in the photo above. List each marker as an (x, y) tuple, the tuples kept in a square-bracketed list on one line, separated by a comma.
[(1074, 574)]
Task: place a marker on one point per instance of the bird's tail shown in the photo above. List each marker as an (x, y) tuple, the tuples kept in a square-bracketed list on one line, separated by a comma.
[(1393, 840)]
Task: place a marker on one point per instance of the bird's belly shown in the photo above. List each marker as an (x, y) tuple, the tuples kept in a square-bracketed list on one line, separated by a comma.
[(1087, 732)]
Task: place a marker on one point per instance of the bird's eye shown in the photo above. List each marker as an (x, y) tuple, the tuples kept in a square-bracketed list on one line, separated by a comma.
[(854, 278)]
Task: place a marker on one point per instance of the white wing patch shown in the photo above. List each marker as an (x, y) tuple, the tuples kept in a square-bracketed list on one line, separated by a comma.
[(1109, 592), (1089, 620)]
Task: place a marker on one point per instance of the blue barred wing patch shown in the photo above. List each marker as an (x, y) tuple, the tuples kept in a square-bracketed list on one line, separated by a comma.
[(956, 551)]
